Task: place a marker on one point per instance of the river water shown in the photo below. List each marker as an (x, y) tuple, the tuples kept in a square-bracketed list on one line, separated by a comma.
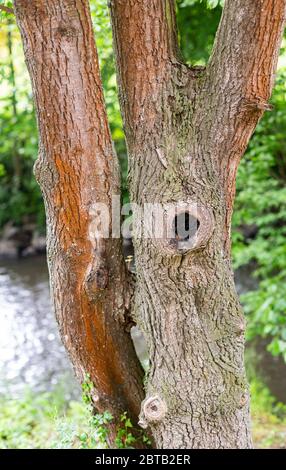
[(31, 353), (30, 348)]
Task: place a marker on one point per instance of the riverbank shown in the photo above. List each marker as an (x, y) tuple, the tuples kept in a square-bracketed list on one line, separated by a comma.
[(21, 241), (33, 358), (31, 351), (47, 420)]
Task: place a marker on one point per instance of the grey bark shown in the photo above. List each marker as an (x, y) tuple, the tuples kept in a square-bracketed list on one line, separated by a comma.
[(186, 130)]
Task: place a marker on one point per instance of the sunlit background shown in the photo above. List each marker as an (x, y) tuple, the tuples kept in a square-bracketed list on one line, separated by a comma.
[(40, 402)]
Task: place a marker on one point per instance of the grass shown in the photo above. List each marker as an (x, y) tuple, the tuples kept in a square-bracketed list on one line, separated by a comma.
[(46, 421), (268, 418), (42, 421)]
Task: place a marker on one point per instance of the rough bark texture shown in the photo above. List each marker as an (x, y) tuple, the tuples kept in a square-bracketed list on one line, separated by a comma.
[(186, 130), (76, 168)]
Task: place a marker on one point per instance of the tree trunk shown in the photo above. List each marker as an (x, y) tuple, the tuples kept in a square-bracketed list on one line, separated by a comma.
[(77, 168), (186, 130)]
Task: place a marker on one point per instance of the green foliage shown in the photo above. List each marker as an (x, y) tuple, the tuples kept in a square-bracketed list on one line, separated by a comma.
[(47, 421), (87, 388), (206, 3), (261, 205), (98, 424), (197, 27), (19, 193), (124, 438), (268, 417), (103, 35), (263, 403), (3, 13), (26, 422)]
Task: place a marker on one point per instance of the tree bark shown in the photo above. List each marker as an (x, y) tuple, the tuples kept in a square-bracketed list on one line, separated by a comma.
[(186, 130), (77, 167)]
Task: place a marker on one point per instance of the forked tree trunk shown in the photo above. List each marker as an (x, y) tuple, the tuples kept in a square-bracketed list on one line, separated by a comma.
[(186, 131)]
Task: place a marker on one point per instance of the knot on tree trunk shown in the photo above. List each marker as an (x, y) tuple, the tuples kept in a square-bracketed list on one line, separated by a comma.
[(189, 227), (45, 172), (153, 410), (96, 280)]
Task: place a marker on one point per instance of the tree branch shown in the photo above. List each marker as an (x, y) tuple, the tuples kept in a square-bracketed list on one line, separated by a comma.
[(77, 169), (145, 39), (247, 45), (240, 74), (237, 85)]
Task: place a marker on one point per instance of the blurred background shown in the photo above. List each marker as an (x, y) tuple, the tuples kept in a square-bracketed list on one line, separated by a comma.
[(40, 402)]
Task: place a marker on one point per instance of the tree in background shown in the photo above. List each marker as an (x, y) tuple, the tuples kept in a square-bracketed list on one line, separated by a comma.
[(174, 116)]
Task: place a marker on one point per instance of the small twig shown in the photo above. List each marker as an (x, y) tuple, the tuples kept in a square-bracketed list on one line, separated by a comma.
[(257, 103), (7, 9)]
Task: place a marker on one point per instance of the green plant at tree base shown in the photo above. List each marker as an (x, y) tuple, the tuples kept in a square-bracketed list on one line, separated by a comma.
[(48, 420), (98, 425), (124, 437)]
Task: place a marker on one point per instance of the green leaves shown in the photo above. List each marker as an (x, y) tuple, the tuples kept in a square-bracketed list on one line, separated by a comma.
[(208, 3), (103, 36), (6, 9), (261, 206), (124, 437), (197, 27), (19, 193)]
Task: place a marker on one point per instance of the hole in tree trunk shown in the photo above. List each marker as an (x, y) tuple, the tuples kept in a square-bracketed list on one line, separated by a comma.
[(185, 226)]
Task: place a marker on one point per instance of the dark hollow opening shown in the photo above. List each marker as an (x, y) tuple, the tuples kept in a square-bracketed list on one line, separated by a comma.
[(185, 226)]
